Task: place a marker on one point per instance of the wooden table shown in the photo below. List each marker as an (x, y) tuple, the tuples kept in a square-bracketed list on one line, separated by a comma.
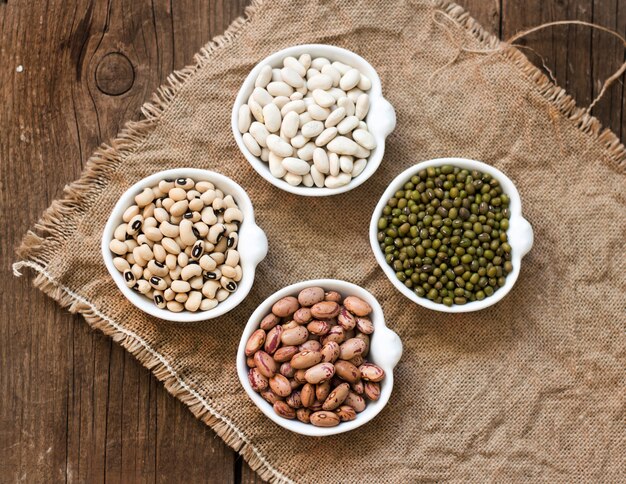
[(73, 405)]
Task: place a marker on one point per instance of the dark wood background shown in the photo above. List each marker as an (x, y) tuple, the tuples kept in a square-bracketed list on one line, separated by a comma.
[(73, 405)]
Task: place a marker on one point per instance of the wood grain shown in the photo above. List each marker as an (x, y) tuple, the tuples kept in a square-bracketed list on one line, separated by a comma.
[(73, 405)]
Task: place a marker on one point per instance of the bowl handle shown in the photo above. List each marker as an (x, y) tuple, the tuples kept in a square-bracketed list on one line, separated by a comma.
[(382, 117), (257, 244), (523, 234), (393, 348)]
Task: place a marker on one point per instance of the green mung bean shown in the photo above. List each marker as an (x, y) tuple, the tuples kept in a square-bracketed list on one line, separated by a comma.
[(445, 235)]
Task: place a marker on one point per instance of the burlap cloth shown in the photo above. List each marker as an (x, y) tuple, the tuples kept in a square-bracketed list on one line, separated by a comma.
[(532, 389)]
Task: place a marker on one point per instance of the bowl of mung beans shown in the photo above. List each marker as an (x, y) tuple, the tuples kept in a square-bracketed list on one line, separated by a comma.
[(450, 235), (183, 245)]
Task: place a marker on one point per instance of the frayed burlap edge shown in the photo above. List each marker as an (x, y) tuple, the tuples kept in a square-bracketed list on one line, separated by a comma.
[(39, 245), (555, 95)]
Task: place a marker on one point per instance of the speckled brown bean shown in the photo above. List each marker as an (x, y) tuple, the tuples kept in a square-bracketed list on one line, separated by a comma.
[(357, 361), (306, 359), (336, 397), (269, 321), (280, 385), (294, 384), (317, 406), (310, 296), (371, 372), (351, 348), (330, 352), (365, 325), (272, 340), (285, 306), (265, 364), (346, 413), (325, 310), (270, 397), (287, 370), (310, 345), (290, 324), (294, 400), (285, 353), (357, 306), (284, 410), (357, 402), (346, 319), (365, 338), (358, 387), (322, 390), (300, 376), (347, 371), (295, 336), (307, 394), (336, 334), (250, 362), (302, 316), (372, 390), (319, 373), (318, 327), (325, 419), (258, 382), (304, 415), (255, 342), (332, 296)]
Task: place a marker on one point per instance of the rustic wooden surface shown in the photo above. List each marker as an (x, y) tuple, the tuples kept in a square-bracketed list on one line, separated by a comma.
[(73, 405)]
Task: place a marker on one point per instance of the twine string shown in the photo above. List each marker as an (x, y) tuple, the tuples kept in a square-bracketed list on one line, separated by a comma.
[(509, 42)]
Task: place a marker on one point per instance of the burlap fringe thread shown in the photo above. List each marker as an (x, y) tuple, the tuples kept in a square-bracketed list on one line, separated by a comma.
[(81, 194)]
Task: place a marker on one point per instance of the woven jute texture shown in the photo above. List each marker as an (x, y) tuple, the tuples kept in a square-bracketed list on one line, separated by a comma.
[(531, 389)]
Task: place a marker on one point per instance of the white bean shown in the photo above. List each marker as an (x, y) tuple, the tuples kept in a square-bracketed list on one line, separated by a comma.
[(362, 106), (292, 63), (347, 104), (272, 116), (307, 180), (350, 79), (333, 73), (364, 83), (342, 146), (279, 89), (291, 77), (347, 124), (293, 179), (322, 98), (317, 112), (335, 117), (290, 124), (260, 133), (251, 144), (276, 166), (337, 181), (319, 62), (306, 152), (359, 166), (261, 96), (346, 164), (296, 166), (298, 106), (318, 178), (264, 77), (244, 119), (320, 160), (364, 138), (279, 146), (319, 81), (333, 164), (325, 136), (312, 129)]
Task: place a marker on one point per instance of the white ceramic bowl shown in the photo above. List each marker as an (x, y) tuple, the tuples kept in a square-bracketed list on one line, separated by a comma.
[(520, 233), (252, 245), (385, 351), (381, 118)]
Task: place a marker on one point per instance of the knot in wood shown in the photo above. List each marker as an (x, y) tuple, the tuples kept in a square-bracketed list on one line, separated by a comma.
[(115, 74)]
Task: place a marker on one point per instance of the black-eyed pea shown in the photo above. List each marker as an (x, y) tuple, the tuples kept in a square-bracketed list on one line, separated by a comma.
[(222, 246), (169, 295), (175, 306), (194, 300), (208, 304), (207, 263), (149, 222), (228, 284), (196, 283), (171, 261), (143, 286), (190, 270), (176, 219), (141, 240), (145, 252), (159, 300), (129, 213), (131, 244), (180, 286), (186, 232), (146, 274), (203, 186), (170, 246), (121, 264), (228, 271), (167, 203), (208, 196), (175, 273), (144, 198), (222, 294), (140, 261), (130, 258), (158, 283), (169, 230), (195, 216), (120, 232), (166, 185), (214, 275), (185, 183), (118, 247), (233, 215), (218, 204), (215, 233), (179, 208), (129, 278), (137, 270), (181, 297), (161, 215), (233, 240), (193, 194), (177, 194), (148, 210), (153, 234), (239, 273)]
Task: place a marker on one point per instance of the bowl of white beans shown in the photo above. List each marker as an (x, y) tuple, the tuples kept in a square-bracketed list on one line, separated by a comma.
[(182, 244), (312, 120)]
